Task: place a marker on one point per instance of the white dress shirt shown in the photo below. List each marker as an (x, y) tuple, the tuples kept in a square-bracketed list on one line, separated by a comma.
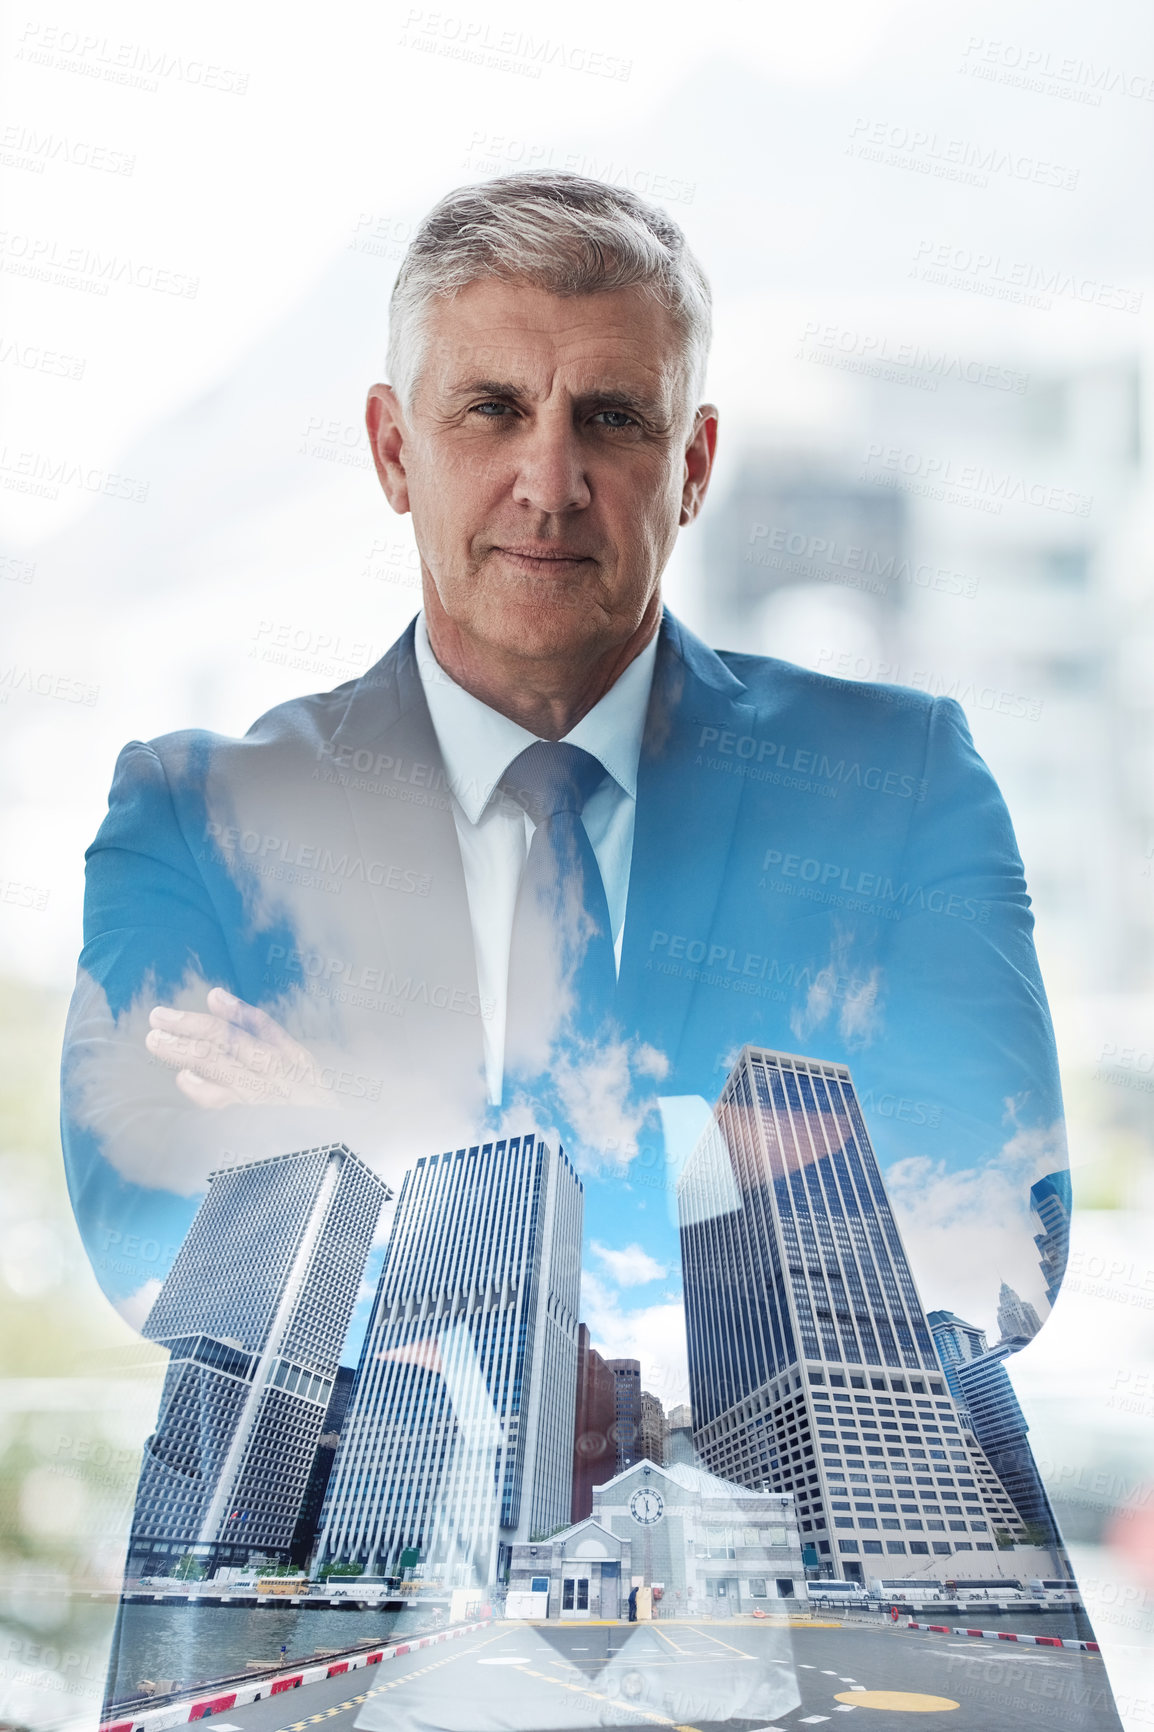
[(477, 745)]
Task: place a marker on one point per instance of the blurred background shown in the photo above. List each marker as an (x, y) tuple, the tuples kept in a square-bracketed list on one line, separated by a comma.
[(928, 234)]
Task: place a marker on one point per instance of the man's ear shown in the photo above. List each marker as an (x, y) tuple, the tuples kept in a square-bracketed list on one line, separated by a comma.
[(699, 454), (385, 421)]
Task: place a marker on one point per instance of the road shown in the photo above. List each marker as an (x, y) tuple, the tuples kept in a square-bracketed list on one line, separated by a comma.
[(518, 1677)]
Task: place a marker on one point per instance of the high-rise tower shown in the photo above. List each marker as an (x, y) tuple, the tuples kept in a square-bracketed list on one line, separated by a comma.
[(459, 1436), (1017, 1319), (1050, 1204), (811, 1365), (254, 1313), (957, 1343), (627, 1403)]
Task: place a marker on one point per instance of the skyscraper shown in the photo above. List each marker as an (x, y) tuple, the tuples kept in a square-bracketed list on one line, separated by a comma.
[(957, 1343), (651, 1436), (595, 1433), (679, 1450), (1050, 1204), (312, 1503), (254, 1313), (459, 1437), (1017, 1319), (1000, 1426), (811, 1365), (627, 1378)]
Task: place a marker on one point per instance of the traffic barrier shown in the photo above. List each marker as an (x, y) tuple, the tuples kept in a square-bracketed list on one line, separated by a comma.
[(214, 1705), (995, 1636), (197, 1707)]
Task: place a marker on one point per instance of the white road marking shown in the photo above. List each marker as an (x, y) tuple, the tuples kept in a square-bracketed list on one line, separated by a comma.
[(504, 1660)]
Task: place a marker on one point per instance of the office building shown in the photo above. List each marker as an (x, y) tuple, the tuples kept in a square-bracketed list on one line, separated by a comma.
[(1017, 1319), (1000, 1427), (1050, 1204), (811, 1365), (651, 1435), (254, 1314), (627, 1376), (459, 1437), (957, 1343), (679, 1449), (594, 1431), (308, 1522)]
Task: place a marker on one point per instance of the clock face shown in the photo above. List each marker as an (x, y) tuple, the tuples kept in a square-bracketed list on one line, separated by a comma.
[(646, 1507)]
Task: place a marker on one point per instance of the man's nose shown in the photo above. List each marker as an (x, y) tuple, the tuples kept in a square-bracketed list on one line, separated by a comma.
[(551, 473)]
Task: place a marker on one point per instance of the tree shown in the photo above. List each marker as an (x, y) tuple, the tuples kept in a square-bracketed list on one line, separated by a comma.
[(340, 1569), (190, 1569)]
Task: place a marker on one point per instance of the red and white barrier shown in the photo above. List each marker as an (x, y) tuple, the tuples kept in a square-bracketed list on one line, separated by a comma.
[(956, 1630), (273, 1683)]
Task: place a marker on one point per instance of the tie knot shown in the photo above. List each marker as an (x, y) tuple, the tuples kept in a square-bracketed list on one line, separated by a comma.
[(550, 777)]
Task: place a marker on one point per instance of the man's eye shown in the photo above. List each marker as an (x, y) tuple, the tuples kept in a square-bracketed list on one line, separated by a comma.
[(615, 418), (492, 410)]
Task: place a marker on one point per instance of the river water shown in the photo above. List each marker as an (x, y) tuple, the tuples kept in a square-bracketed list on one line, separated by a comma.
[(182, 1645), (192, 1645)]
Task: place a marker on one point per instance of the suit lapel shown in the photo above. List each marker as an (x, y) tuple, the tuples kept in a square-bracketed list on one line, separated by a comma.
[(686, 816), (386, 752)]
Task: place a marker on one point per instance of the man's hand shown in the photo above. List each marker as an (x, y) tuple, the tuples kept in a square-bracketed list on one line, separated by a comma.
[(234, 1055)]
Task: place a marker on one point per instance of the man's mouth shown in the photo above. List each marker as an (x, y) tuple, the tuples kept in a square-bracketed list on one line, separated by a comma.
[(543, 558)]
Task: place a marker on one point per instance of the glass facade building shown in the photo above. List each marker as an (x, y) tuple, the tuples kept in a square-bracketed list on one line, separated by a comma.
[(254, 1314), (811, 1365), (957, 1343), (1001, 1427), (459, 1437), (1050, 1204)]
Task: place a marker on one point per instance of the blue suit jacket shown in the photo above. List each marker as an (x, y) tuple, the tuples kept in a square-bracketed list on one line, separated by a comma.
[(819, 866)]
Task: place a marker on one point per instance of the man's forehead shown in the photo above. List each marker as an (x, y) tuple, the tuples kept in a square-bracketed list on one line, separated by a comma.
[(519, 335)]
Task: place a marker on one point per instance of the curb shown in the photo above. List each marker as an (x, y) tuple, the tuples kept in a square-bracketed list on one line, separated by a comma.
[(273, 1683), (1001, 1636)]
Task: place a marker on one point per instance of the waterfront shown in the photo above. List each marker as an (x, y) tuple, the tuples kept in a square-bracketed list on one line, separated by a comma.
[(192, 1645)]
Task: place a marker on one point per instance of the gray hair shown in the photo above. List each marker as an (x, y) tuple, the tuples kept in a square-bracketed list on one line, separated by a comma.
[(559, 232)]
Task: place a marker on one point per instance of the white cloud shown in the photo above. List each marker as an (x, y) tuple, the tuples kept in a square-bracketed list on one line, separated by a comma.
[(860, 1015), (966, 1232), (654, 1334), (631, 1267), (135, 1308)]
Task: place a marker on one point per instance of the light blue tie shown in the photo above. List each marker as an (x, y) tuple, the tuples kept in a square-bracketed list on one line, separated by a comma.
[(561, 928)]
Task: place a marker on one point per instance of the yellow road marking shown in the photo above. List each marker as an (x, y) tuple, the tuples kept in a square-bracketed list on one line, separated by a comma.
[(729, 1645), (649, 1714), (393, 1684), (897, 1701)]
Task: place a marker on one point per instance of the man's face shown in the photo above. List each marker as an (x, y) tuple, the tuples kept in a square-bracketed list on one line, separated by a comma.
[(548, 464)]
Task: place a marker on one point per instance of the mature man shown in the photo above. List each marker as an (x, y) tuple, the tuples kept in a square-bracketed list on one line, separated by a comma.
[(551, 860), (319, 919)]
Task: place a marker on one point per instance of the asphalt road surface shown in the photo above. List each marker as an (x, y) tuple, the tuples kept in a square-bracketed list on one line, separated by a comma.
[(515, 1677)]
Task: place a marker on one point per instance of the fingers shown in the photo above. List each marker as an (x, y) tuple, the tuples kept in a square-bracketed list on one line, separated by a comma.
[(207, 1094), (249, 1017), (232, 1053)]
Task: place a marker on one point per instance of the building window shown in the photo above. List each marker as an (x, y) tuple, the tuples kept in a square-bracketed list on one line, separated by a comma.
[(757, 1587), (920, 1547), (847, 1545), (871, 1545), (895, 1546), (942, 1548)]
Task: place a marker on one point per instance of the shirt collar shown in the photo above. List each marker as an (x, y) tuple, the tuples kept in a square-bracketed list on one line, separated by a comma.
[(478, 743)]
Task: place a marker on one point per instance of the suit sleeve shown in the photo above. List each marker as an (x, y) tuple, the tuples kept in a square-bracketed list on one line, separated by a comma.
[(971, 1018), (151, 935)]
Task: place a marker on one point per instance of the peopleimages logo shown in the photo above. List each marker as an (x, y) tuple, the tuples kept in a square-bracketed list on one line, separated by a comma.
[(926, 151)]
